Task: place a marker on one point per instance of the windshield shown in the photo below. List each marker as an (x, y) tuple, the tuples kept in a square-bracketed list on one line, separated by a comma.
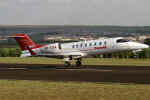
[(122, 40)]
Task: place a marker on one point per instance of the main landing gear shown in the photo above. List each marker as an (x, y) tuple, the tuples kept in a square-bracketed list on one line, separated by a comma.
[(68, 64), (78, 62)]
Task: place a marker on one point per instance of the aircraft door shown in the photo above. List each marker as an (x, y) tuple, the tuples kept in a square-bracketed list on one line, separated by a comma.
[(59, 46), (110, 44)]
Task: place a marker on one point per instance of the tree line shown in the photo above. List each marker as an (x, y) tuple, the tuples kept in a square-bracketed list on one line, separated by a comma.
[(16, 52), (10, 52)]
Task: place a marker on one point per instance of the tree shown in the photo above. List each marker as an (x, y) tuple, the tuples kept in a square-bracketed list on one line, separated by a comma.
[(147, 41), (10, 52), (14, 52), (4, 52)]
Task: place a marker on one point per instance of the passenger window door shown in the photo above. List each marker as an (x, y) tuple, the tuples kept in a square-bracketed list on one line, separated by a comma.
[(59, 46), (110, 43)]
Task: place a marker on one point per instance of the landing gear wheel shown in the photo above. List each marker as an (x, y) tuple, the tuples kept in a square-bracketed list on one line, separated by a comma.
[(67, 64), (78, 63), (134, 55)]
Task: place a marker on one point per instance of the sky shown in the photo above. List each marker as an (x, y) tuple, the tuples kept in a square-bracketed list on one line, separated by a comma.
[(75, 12)]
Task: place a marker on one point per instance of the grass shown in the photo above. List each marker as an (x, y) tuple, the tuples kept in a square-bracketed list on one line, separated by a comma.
[(38, 90), (48, 90), (86, 61)]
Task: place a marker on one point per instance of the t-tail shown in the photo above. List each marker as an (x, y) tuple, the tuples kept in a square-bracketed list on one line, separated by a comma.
[(26, 44)]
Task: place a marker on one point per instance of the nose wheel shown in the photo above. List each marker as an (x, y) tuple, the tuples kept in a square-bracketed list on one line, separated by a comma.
[(134, 54), (78, 62)]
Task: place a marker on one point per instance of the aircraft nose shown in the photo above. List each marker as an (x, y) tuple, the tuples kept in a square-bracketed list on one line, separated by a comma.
[(138, 46), (145, 46)]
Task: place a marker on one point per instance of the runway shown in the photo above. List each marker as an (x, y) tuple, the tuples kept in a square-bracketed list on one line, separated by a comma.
[(89, 73)]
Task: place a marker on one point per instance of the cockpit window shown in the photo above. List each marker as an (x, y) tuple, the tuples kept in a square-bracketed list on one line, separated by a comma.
[(122, 40)]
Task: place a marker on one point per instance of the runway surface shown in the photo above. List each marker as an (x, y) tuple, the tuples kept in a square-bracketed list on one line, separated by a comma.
[(89, 73)]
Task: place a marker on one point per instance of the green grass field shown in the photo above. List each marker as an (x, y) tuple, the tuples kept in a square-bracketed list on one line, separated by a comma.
[(86, 61), (38, 90), (48, 90)]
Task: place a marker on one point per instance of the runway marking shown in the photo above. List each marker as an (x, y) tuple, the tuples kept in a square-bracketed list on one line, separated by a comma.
[(59, 69), (17, 68)]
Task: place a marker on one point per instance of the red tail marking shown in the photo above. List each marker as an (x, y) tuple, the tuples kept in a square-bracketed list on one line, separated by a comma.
[(31, 52), (25, 42)]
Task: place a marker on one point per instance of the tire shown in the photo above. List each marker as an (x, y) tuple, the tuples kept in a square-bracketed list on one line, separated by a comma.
[(78, 63), (67, 64)]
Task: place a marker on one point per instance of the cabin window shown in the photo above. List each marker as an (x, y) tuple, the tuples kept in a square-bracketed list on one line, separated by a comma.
[(90, 44), (81, 45), (95, 43), (85, 44), (105, 42), (73, 46), (76, 46), (100, 43)]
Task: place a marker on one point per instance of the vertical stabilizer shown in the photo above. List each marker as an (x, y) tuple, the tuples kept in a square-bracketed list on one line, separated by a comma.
[(24, 42)]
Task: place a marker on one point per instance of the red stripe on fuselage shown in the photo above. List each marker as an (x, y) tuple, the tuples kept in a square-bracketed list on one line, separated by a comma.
[(100, 47), (95, 48)]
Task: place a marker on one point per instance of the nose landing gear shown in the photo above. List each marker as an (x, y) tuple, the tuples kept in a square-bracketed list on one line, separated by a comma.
[(134, 54)]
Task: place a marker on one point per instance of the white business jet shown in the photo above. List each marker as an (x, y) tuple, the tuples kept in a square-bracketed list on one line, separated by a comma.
[(76, 50)]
